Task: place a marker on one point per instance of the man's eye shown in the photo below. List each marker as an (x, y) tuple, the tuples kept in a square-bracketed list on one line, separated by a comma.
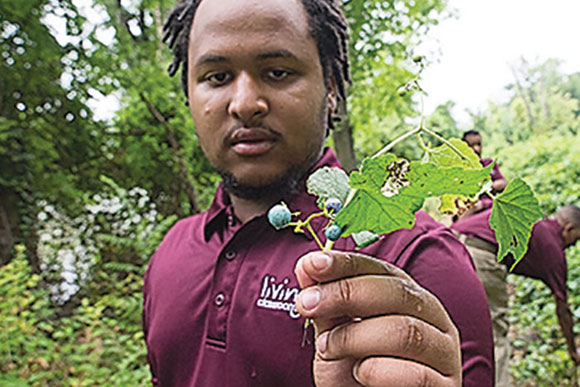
[(218, 79), (277, 74)]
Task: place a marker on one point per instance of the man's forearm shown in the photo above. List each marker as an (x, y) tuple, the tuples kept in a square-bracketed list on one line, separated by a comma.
[(566, 323)]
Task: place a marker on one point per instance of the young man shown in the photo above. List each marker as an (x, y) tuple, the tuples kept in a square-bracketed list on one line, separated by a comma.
[(545, 260), (226, 295), (498, 182)]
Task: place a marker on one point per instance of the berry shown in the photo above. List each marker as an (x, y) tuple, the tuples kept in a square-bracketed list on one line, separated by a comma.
[(333, 232), (417, 58), (279, 216), (402, 91), (333, 205)]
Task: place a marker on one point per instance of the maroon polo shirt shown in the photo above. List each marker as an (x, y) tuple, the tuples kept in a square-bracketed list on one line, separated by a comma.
[(545, 259), (495, 173), (219, 297)]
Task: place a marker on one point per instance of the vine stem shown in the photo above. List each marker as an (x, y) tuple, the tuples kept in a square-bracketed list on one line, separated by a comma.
[(444, 141), (396, 141)]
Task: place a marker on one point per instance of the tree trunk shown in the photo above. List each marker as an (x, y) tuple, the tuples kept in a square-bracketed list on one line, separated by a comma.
[(8, 225), (343, 140)]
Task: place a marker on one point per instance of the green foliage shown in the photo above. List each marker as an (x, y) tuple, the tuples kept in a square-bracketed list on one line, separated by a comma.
[(544, 153), (101, 341), (328, 183), (384, 35), (386, 199), (514, 213), (82, 325), (444, 156)]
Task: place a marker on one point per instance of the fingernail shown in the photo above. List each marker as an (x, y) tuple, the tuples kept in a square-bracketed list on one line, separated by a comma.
[(355, 371), (322, 343), (321, 261), (310, 298)]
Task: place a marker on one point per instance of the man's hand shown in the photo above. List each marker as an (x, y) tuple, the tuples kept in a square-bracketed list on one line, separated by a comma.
[(374, 325)]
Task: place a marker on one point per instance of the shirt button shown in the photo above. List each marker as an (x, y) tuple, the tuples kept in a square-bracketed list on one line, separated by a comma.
[(230, 255), (219, 299)]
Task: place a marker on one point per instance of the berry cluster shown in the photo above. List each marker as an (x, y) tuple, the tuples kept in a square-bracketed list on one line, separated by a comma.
[(280, 217)]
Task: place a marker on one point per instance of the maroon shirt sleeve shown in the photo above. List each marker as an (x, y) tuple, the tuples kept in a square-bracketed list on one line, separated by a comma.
[(476, 226), (495, 172), (441, 264), (545, 259)]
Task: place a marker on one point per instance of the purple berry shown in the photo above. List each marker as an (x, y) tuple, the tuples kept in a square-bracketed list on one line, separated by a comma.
[(333, 205)]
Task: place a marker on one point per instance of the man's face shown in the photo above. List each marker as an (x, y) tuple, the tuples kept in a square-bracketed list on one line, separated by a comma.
[(474, 142), (256, 88), (570, 234)]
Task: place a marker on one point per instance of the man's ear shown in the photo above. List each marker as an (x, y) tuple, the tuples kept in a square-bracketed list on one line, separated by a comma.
[(332, 97), (568, 227)]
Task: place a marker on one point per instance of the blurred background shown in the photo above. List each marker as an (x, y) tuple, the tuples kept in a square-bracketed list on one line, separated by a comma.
[(98, 158)]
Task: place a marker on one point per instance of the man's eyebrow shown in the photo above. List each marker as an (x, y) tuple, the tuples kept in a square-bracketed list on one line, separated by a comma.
[(210, 59), (277, 54)]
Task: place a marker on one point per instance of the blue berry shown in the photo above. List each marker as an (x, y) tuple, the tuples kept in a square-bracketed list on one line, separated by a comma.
[(333, 205), (279, 216), (333, 232)]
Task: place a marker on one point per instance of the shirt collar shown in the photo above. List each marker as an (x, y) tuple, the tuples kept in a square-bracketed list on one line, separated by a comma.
[(221, 209)]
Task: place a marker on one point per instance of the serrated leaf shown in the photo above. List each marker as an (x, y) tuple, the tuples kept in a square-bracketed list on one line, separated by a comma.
[(374, 212), (443, 156), (513, 215), (373, 173), (328, 182), (370, 210), (430, 180), (451, 184)]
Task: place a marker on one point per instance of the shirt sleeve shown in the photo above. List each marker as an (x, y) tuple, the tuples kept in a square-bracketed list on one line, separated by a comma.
[(549, 264), (442, 265), (495, 173)]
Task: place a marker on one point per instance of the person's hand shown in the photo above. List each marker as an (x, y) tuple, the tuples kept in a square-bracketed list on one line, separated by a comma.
[(374, 325)]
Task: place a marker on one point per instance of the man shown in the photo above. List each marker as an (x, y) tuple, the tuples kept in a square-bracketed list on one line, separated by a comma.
[(226, 295), (498, 182), (545, 260)]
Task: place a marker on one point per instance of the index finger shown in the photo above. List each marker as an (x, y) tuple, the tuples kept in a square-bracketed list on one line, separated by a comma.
[(347, 285), (326, 266)]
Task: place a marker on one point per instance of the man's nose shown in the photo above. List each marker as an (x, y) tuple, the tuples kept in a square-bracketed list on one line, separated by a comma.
[(247, 103)]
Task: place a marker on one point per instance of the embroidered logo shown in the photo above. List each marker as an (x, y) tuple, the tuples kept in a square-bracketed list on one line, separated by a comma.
[(278, 296)]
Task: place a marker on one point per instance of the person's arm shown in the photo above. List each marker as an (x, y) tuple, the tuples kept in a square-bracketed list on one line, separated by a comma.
[(567, 324), (364, 337)]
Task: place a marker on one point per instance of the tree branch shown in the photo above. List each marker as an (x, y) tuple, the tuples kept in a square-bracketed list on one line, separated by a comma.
[(175, 147)]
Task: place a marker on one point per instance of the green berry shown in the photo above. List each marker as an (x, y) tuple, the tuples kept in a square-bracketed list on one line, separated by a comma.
[(279, 216), (333, 232), (417, 58), (402, 91), (333, 205)]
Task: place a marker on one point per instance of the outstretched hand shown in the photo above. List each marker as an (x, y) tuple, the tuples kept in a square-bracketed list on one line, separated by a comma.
[(374, 325)]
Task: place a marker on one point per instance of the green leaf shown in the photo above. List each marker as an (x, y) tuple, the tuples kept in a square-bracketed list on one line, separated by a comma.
[(513, 215), (365, 238), (370, 210), (373, 173), (374, 212), (327, 182), (443, 156)]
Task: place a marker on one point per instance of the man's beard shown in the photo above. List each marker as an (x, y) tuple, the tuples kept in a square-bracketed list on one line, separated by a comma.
[(284, 188)]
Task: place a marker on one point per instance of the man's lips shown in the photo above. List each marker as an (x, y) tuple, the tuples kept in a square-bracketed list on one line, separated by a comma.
[(252, 141)]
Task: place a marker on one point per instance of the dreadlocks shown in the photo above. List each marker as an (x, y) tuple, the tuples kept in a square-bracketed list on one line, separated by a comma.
[(327, 24)]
